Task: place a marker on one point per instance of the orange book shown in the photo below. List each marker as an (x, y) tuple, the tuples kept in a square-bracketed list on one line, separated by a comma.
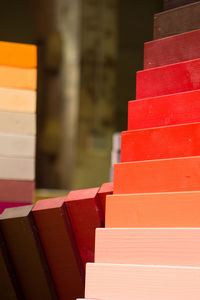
[(19, 78), (153, 210), (164, 175), (18, 55)]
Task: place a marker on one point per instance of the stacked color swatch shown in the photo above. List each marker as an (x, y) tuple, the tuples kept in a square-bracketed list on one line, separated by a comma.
[(18, 81), (149, 248)]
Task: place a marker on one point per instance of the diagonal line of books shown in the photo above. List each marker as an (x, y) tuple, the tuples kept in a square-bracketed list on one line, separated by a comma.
[(44, 248)]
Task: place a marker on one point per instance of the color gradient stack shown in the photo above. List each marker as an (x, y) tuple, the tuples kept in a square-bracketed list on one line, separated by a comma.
[(150, 246), (18, 81)]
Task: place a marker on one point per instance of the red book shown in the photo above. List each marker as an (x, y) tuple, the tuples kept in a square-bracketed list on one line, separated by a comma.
[(106, 189), (175, 78), (85, 213), (161, 142), (171, 109), (60, 248), (17, 191)]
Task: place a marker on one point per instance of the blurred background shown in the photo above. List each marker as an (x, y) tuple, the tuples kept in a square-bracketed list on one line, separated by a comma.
[(88, 55)]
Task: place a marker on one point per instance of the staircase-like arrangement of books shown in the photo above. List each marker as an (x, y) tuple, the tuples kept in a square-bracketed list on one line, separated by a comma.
[(149, 248)]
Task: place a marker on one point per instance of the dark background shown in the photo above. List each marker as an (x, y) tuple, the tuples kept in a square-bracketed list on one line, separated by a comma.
[(88, 55)]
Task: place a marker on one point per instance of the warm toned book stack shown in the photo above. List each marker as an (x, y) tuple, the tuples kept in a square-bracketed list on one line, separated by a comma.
[(18, 82), (149, 249)]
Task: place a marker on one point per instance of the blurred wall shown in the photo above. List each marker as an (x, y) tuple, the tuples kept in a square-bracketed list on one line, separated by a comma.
[(58, 25), (99, 53)]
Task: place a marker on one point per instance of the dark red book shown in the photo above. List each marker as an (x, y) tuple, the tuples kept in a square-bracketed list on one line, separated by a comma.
[(105, 189), (173, 49)]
